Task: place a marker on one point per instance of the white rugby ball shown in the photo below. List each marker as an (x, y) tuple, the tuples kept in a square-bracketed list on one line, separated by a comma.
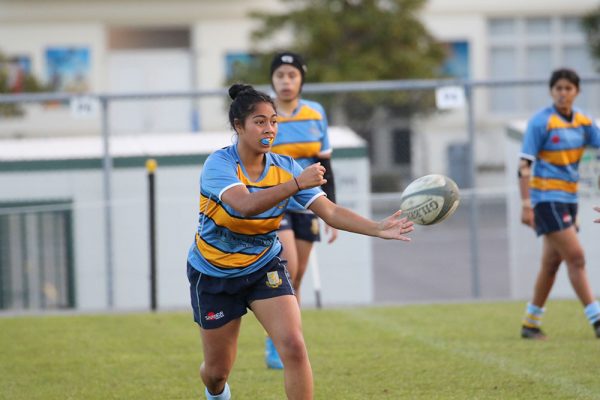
[(430, 199)]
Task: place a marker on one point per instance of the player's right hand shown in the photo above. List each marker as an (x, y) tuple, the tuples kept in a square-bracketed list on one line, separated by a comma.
[(312, 176), (527, 216)]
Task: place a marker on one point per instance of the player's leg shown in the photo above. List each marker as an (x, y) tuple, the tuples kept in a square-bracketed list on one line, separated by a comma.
[(287, 239), (546, 221), (303, 249), (567, 245), (550, 263), (218, 313), (280, 316), (534, 311), (306, 230), (220, 349)]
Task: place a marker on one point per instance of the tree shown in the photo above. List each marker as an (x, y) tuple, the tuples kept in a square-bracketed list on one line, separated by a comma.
[(354, 40), (357, 40), (591, 25)]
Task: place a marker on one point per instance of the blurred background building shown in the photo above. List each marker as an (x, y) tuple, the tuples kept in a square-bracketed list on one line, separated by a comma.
[(148, 46), (53, 202)]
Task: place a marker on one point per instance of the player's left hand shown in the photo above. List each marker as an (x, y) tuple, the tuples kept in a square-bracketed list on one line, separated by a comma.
[(395, 227), (332, 233)]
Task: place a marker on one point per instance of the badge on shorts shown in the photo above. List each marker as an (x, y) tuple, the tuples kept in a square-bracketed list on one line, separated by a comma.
[(273, 279), (314, 227)]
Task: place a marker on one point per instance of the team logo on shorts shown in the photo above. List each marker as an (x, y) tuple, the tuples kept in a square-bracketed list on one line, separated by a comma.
[(314, 227), (212, 316), (273, 279), (567, 218)]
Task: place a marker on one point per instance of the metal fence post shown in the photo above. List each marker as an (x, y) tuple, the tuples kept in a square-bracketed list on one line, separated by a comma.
[(473, 210), (107, 171)]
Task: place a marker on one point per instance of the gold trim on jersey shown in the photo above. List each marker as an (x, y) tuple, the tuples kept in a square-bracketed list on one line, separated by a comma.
[(226, 260), (305, 113), (275, 176), (256, 226), (553, 184), (556, 122), (298, 150), (561, 157)]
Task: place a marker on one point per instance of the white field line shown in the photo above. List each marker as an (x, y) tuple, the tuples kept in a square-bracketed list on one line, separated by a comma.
[(566, 386)]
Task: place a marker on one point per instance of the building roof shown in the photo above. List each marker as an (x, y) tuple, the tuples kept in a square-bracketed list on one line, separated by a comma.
[(132, 151)]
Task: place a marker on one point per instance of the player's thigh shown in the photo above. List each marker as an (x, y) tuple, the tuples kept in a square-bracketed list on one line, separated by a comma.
[(304, 248), (289, 252), (280, 316), (567, 244), (220, 345)]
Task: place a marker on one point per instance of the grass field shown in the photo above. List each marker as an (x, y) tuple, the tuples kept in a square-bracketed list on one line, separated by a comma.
[(448, 351)]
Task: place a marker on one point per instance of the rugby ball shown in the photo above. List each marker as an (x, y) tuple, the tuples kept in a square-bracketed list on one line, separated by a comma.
[(430, 199)]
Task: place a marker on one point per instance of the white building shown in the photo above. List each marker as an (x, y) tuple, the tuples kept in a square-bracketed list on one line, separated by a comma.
[(185, 44)]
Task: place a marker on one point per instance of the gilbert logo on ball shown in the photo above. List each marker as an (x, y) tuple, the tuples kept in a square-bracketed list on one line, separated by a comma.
[(430, 199)]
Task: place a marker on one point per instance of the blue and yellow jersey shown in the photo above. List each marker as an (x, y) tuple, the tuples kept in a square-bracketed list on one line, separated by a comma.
[(303, 136), (556, 146), (228, 244)]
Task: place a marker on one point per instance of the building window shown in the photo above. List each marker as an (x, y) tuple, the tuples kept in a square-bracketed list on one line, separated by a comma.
[(531, 48)]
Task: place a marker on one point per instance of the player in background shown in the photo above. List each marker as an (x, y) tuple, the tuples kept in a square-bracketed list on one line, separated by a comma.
[(548, 176), (302, 135), (235, 262)]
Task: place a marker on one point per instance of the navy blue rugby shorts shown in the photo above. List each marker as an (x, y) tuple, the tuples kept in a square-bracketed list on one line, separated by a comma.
[(216, 301), (304, 225), (554, 216)]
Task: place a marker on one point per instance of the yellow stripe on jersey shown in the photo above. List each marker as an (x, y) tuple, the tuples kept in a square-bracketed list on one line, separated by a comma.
[(561, 157), (226, 260), (298, 150), (275, 176), (553, 184), (304, 114), (556, 122), (217, 213)]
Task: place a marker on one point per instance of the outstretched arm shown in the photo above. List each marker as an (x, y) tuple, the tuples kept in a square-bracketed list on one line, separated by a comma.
[(392, 227)]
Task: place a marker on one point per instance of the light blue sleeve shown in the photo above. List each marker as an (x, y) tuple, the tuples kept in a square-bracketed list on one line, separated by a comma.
[(307, 196), (324, 126), (218, 174), (593, 135), (534, 138)]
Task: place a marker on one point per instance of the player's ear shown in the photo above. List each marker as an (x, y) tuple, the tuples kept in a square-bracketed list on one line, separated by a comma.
[(237, 124)]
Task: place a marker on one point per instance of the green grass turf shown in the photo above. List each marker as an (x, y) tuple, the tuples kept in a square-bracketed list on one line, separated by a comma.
[(446, 351)]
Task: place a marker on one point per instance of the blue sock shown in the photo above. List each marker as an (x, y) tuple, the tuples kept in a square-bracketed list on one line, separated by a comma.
[(225, 394), (592, 312), (533, 316)]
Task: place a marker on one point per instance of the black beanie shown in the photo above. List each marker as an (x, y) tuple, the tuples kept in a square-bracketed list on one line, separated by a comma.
[(287, 57)]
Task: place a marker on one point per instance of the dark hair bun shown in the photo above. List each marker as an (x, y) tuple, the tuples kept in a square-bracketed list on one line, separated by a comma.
[(238, 88)]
